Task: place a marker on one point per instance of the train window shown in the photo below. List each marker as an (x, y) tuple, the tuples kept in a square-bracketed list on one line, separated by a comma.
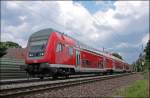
[(101, 64), (59, 47), (70, 51), (85, 62)]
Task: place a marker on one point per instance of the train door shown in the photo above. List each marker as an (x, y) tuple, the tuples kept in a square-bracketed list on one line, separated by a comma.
[(77, 58), (110, 64), (113, 64), (101, 66), (104, 62), (59, 53)]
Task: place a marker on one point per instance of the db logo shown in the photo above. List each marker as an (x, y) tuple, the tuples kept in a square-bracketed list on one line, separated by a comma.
[(35, 61)]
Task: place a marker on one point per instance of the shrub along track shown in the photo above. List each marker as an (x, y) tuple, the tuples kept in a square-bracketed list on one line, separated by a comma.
[(14, 92)]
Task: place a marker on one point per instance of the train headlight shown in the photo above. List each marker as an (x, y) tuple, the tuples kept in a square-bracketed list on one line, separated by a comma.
[(30, 54), (41, 54)]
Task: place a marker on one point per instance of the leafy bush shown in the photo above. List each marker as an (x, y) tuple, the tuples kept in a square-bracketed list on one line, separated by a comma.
[(140, 89)]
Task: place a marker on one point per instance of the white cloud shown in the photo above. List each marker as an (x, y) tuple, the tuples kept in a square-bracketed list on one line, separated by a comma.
[(124, 14), (16, 34), (22, 18), (127, 45), (145, 39), (13, 5), (74, 19), (17, 31), (131, 8), (107, 18), (122, 45)]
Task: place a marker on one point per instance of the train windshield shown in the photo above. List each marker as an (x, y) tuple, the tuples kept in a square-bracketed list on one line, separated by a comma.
[(38, 45), (37, 48), (38, 42)]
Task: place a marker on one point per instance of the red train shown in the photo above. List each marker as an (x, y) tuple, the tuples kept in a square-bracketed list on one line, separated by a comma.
[(51, 53)]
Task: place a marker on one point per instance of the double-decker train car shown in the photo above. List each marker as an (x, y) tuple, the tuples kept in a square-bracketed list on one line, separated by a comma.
[(52, 53)]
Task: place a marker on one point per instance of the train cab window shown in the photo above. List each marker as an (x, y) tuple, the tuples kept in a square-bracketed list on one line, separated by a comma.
[(59, 47), (70, 51)]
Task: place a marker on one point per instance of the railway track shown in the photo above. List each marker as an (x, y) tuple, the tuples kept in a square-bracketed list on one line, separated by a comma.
[(28, 80), (13, 92)]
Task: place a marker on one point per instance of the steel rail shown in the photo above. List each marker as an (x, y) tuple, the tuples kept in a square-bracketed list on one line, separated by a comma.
[(16, 81)]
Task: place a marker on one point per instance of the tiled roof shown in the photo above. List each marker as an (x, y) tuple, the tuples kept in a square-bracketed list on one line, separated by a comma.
[(15, 53)]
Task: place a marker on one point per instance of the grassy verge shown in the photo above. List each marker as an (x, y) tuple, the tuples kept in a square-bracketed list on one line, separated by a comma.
[(139, 89)]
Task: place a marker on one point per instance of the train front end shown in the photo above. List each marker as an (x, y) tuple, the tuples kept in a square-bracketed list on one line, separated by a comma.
[(37, 56)]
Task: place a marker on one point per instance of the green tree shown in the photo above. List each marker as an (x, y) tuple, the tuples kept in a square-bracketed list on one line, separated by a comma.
[(143, 61), (147, 51), (117, 55), (3, 49), (147, 56), (10, 44), (5, 45)]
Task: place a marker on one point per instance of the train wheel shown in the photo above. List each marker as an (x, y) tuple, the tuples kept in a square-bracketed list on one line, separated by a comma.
[(41, 77), (55, 77), (104, 73), (66, 76), (111, 72)]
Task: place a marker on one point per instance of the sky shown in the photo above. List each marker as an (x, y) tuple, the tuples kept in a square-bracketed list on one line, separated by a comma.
[(116, 26)]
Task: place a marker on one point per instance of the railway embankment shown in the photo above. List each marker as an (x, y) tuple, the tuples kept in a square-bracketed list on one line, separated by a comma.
[(103, 88), (139, 89)]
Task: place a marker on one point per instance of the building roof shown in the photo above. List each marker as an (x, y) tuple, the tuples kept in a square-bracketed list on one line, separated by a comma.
[(15, 53)]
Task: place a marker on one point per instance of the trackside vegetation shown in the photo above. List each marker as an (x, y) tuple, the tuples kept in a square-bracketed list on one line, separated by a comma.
[(143, 62), (140, 89)]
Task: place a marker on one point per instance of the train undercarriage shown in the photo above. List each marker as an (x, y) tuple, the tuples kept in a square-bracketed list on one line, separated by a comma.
[(41, 71), (37, 70)]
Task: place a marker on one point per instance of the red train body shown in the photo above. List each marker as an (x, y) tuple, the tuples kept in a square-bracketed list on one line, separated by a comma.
[(51, 53)]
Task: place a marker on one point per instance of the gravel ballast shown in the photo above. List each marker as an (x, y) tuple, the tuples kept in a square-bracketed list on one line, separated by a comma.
[(95, 89)]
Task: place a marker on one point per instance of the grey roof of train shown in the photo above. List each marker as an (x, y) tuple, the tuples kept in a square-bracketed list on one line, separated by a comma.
[(44, 32), (48, 31)]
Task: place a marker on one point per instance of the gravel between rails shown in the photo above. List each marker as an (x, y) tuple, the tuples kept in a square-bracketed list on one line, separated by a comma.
[(95, 89)]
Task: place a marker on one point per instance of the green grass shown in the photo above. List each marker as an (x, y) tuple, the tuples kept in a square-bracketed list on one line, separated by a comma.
[(139, 89)]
